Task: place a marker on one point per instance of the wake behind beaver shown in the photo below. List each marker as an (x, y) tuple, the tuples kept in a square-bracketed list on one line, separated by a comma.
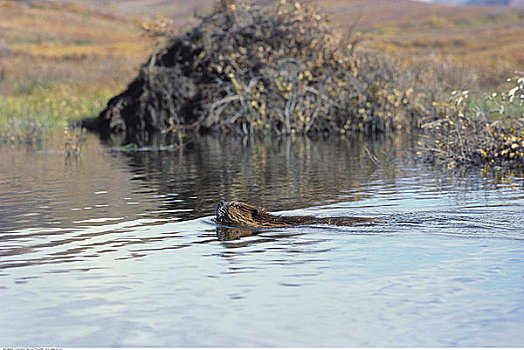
[(245, 215)]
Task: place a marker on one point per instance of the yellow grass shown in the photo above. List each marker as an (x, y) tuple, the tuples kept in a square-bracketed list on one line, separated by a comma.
[(91, 51)]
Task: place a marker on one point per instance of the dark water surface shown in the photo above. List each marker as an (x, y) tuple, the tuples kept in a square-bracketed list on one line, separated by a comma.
[(117, 249)]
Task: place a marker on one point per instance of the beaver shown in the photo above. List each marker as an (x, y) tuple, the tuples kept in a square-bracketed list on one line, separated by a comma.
[(245, 215)]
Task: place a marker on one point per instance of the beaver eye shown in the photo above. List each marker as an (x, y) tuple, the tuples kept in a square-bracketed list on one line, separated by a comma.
[(237, 206)]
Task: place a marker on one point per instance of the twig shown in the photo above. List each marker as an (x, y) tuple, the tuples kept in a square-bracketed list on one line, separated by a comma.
[(372, 157), (324, 97)]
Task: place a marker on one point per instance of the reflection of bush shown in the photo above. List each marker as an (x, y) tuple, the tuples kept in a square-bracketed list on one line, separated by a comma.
[(277, 173), (276, 68), (464, 133)]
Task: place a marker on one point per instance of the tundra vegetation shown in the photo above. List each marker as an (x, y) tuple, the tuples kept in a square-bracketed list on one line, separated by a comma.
[(490, 131), (58, 64), (277, 68)]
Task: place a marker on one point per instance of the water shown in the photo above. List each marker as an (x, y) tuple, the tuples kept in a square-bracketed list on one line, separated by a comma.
[(114, 249)]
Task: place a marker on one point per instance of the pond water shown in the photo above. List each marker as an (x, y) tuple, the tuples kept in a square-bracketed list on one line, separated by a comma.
[(114, 249)]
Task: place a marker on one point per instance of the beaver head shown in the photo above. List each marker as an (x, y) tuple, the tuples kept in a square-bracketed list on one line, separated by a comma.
[(237, 213)]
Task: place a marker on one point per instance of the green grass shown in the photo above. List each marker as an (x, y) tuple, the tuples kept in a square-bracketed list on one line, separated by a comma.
[(504, 103), (489, 19), (29, 116)]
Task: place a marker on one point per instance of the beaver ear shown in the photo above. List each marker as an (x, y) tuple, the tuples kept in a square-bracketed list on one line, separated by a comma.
[(254, 213)]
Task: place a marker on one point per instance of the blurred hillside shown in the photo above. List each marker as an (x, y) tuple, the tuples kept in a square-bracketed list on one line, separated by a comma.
[(511, 3), (488, 41), (488, 38)]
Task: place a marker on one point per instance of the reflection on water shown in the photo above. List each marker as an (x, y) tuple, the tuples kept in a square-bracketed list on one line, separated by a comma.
[(120, 249), (232, 233), (276, 173), (46, 188)]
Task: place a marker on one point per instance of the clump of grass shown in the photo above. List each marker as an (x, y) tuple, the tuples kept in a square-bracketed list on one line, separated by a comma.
[(467, 132)]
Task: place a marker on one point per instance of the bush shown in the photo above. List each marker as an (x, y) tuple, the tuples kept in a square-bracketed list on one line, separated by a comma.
[(466, 132)]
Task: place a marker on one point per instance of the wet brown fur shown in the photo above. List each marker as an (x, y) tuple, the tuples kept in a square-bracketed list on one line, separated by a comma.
[(241, 214)]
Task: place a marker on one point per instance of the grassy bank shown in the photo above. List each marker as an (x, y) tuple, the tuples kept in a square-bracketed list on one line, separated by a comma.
[(59, 64), (29, 117)]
